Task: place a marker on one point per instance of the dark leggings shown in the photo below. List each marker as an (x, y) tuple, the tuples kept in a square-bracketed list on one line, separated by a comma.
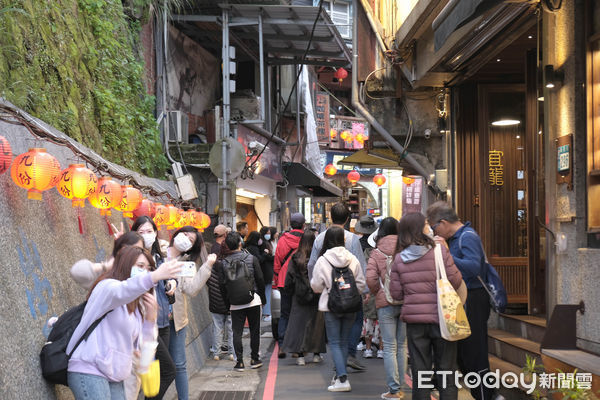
[(167, 366)]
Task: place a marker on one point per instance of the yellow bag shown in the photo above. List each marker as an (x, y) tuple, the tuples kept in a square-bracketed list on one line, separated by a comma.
[(151, 379)]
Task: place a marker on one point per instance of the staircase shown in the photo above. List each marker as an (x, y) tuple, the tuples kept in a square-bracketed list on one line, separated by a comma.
[(512, 338)]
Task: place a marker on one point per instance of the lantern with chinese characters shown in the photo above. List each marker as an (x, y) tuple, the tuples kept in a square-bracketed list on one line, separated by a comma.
[(172, 215), (35, 171), (346, 136), (204, 221), (333, 134), (195, 219), (353, 177), (341, 74), (361, 137), (161, 216), (379, 179), (107, 195), (330, 169), (130, 200), (146, 207), (5, 155), (182, 218), (77, 183)]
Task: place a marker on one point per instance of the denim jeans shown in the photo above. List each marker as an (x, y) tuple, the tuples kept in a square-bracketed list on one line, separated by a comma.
[(338, 327), (393, 334), (92, 387), (267, 307), (355, 333), (177, 351), (221, 322)]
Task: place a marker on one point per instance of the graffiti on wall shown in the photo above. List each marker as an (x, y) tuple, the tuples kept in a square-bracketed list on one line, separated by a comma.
[(37, 287)]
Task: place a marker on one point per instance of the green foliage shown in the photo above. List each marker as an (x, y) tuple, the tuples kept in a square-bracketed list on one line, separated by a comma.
[(73, 64), (532, 367), (575, 392)]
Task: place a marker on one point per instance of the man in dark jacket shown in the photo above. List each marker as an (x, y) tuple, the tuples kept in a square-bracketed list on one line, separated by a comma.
[(287, 245), (250, 310), (220, 232), (467, 250)]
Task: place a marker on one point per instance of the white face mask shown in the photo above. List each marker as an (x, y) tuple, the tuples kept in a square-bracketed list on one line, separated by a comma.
[(149, 239), (182, 243), (135, 270)]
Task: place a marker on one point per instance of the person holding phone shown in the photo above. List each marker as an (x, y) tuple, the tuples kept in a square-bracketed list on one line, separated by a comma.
[(186, 245)]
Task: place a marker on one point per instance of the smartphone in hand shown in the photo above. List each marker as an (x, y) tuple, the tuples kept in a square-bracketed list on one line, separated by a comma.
[(188, 269)]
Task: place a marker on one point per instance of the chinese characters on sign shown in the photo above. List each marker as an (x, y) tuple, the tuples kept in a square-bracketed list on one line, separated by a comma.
[(411, 196), (563, 159), (496, 171), (322, 117)]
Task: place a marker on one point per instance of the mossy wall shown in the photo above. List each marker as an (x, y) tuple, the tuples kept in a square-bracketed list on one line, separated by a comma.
[(73, 64)]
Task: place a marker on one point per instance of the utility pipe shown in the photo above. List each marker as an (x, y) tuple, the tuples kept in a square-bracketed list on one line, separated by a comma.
[(366, 114), (374, 27)]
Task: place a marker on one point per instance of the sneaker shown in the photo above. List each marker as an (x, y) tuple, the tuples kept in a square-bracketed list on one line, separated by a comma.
[(353, 363), (216, 357), (360, 346), (338, 386), (300, 361), (267, 318), (231, 357), (281, 354), (224, 348), (368, 353), (239, 366), (295, 355), (255, 363), (317, 358), (379, 353), (389, 395)]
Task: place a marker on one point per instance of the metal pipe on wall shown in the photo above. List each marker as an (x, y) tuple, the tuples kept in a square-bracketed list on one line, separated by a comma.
[(261, 57)]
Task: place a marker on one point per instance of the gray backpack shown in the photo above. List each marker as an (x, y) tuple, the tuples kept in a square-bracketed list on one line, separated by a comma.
[(385, 285)]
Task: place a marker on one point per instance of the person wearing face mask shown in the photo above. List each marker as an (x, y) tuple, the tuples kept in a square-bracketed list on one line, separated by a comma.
[(186, 245), (268, 252), (146, 227)]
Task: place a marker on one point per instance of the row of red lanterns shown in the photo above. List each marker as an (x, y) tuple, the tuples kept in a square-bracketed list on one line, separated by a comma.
[(38, 171), (348, 136), (354, 176)]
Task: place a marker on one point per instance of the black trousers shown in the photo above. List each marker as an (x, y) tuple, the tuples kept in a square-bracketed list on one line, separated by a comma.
[(473, 351), (286, 308), (430, 352), (167, 366), (238, 317)]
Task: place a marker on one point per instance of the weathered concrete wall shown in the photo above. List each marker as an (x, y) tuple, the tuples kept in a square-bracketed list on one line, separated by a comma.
[(39, 241)]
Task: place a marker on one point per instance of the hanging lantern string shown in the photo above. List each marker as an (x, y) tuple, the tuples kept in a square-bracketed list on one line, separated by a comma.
[(14, 117)]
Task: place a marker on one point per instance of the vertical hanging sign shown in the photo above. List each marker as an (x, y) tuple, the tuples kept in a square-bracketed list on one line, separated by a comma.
[(496, 168), (322, 117)]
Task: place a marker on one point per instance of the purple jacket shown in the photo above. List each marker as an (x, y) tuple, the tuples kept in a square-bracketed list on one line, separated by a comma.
[(413, 279), (108, 351)]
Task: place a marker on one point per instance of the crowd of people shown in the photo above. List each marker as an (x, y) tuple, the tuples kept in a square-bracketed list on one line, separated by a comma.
[(371, 290)]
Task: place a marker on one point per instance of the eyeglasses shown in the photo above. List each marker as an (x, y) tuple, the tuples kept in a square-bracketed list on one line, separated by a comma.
[(434, 226)]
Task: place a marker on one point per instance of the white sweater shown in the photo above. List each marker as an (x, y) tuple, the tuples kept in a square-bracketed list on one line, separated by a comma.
[(338, 257)]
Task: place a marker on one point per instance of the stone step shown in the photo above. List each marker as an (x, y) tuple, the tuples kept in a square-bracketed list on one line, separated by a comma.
[(512, 348), (525, 326)]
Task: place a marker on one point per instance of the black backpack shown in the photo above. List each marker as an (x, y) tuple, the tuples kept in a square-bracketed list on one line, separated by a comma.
[(343, 295), (54, 359), (302, 290), (238, 281)]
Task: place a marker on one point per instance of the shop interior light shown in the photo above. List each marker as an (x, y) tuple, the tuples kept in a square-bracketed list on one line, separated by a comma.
[(553, 77), (506, 122), (248, 193)]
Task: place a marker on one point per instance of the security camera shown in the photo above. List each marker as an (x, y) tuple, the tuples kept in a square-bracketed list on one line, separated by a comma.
[(427, 133), (256, 146)]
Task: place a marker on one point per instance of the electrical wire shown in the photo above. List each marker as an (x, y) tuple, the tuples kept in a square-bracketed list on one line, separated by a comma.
[(338, 100), (312, 34)]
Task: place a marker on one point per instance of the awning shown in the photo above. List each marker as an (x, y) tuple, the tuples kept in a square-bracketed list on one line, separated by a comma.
[(374, 158), (456, 14), (298, 175)]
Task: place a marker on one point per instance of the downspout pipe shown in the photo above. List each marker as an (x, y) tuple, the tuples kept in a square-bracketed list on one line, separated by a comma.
[(367, 115)]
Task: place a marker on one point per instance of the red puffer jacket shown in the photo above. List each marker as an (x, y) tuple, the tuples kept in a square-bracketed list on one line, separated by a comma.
[(414, 280), (286, 246)]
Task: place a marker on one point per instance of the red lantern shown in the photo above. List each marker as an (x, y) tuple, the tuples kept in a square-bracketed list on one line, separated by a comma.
[(408, 180), (171, 215), (5, 155), (330, 169), (345, 135), (379, 179), (204, 221), (146, 207), (341, 74), (353, 177), (107, 195), (161, 217), (77, 183), (333, 134), (35, 171), (130, 200), (361, 137), (182, 218), (194, 219)]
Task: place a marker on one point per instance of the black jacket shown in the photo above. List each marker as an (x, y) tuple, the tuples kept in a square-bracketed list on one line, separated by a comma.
[(254, 267), (217, 302)]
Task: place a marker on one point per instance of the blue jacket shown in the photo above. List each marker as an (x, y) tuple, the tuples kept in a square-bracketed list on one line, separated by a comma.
[(469, 257)]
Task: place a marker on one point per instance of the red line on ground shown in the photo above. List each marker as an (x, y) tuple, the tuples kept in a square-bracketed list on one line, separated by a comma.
[(269, 393)]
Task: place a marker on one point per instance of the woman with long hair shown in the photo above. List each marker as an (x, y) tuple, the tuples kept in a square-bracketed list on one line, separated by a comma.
[(100, 364), (391, 326), (306, 327), (186, 245), (413, 280), (165, 295), (334, 255)]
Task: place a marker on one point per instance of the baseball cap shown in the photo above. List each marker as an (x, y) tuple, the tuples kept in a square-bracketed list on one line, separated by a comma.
[(297, 218), (221, 230)]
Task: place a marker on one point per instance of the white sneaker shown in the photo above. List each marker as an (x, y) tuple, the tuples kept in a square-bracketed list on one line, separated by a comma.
[(379, 353), (216, 357), (317, 358), (231, 357), (267, 318), (340, 387), (300, 361), (368, 353), (360, 346)]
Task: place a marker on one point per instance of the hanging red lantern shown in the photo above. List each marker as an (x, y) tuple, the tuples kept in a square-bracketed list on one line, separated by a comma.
[(408, 180), (361, 137), (146, 207), (161, 217), (341, 74), (353, 176), (35, 171), (77, 183), (171, 215), (330, 169), (130, 200), (204, 221), (333, 134), (345, 135), (379, 179), (181, 219), (5, 155), (107, 195), (194, 218)]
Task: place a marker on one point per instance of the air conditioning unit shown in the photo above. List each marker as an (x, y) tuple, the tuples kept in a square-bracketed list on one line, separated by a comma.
[(178, 127)]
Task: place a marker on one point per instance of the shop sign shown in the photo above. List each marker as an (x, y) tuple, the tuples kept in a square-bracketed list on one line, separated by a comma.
[(322, 117), (411, 196), (496, 168), (333, 157)]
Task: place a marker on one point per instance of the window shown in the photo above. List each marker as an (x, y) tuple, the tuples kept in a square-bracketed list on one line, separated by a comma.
[(340, 14)]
